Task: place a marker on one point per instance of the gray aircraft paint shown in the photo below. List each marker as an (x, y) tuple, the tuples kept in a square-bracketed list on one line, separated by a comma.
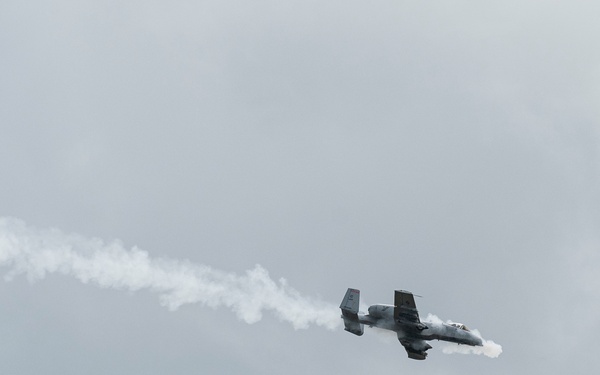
[(403, 319)]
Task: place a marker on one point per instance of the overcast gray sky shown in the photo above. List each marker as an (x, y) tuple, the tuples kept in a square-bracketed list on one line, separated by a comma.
[(447, 148)]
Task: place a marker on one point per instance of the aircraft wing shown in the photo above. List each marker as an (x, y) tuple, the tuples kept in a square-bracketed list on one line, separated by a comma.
[(405, 309), (416, 349)]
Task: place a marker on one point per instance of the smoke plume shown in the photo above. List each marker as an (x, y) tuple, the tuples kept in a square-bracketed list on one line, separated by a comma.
[(36, 253), (489, 348)]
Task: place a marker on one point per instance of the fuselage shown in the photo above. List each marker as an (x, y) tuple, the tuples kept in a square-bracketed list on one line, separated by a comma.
[(382, 316)]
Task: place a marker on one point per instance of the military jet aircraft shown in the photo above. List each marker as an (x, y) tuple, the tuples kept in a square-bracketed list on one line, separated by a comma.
[(403, 318)]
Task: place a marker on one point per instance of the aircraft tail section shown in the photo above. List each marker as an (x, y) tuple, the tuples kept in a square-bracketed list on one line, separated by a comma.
[(349, 307)]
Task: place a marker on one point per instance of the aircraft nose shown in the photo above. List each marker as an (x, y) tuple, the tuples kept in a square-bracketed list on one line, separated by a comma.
[(477, 341)]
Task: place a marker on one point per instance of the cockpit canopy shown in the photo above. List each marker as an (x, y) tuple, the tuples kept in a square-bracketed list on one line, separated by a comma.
[(460, 326)]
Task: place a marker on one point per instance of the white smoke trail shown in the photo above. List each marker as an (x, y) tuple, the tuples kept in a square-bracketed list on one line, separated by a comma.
[(110, 265), (489, 348)]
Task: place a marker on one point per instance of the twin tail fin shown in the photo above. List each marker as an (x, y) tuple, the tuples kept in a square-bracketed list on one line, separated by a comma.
[(349, 307)]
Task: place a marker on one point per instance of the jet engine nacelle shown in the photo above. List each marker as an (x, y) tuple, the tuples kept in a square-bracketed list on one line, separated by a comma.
[(382, 311)]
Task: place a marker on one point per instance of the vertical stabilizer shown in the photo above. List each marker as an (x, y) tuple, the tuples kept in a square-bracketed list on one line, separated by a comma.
[(349, 307), (350, 302)]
